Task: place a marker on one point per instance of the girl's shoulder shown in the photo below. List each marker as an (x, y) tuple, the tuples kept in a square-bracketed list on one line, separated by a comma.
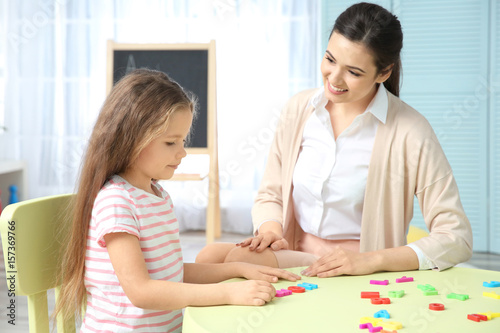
[(115, 184), (115, 189)]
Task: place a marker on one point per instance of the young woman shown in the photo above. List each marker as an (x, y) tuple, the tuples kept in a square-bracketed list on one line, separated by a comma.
[(124, 259), (345, 165)]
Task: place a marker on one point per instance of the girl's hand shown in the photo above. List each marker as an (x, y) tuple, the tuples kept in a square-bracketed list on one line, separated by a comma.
[(263, 240), (342, 262), (249, 292), (264, 273)]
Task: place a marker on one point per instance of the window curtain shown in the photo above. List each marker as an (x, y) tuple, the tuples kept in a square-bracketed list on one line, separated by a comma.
[(55, 77)]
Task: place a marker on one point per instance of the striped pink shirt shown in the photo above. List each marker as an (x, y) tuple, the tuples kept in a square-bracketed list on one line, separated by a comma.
[(120, 207)]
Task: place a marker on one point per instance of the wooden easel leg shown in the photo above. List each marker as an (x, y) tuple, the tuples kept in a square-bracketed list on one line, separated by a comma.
[(210, 228), (213, 229), (217, 223), (213, 208), (216, 189)]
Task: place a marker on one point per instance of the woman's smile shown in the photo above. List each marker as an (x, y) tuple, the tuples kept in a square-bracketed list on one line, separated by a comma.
[(335, 90)]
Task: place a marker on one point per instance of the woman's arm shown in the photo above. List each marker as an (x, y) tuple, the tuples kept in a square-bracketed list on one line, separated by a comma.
[(450, 235), (344, 262), (129, 265)]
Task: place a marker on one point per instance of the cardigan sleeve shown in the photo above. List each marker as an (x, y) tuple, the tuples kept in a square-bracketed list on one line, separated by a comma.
[(408, 162), (450, 234), (273, 197)]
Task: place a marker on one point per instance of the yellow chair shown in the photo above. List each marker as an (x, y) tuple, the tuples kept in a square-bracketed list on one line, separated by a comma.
[(415, 233), (32, 233)]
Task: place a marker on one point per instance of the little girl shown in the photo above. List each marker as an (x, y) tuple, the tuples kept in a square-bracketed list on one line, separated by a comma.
[(123, 258)]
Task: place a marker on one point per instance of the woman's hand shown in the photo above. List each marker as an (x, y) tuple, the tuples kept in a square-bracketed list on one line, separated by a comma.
[(343, 262), (264, 240), (250, 292), (264, 273)]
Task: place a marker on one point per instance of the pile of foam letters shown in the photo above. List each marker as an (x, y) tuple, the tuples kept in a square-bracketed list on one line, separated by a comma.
[(378, 324)]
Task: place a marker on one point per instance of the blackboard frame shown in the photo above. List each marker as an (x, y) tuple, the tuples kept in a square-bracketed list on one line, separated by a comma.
[(213, 229), (210, 108)]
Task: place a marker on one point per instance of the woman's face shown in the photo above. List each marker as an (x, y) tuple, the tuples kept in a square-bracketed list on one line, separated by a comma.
[(349, 72)]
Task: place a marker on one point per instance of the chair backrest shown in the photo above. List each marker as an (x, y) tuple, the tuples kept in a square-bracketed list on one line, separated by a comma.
[(32, 234), (415, 233)]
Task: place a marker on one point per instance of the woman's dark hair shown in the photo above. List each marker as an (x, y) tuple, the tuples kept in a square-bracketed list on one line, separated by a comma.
[(380, 31)]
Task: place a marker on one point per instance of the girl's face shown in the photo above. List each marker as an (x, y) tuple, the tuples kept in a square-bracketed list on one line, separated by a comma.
[(349, 72), (160, 158)]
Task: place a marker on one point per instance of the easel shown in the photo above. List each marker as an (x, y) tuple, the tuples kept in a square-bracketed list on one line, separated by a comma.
[(213, 227)]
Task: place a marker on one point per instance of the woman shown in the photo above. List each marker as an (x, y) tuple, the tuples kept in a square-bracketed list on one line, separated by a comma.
[(345, 165)]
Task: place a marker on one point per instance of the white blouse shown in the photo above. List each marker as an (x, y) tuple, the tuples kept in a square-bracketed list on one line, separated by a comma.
[(329, 178)]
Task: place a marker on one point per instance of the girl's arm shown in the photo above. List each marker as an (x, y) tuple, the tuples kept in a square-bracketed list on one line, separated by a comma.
[(211, 273), (129, 265)]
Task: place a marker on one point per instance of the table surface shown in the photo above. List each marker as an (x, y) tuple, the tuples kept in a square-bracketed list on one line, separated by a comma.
[(337, 306)]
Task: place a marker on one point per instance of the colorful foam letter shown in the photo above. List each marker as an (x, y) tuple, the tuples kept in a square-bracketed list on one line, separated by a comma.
[(297, 289), (308, 286), (460, 297), (425, 287), (397, 294), (380, 282), (436, 306), (492, 284), (404, 279), (283, 292), (490, 314), (491, 294), (477, 317), (382, 314), (381, 301), (370, 327), (370, 294)]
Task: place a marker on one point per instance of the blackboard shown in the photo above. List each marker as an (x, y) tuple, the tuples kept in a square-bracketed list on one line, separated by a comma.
[(189, 67)]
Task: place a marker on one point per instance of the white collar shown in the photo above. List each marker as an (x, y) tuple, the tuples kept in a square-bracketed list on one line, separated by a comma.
[(378, 105)]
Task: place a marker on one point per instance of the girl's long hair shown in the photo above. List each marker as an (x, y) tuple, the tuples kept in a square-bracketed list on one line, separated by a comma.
[(136, 111), (380, 31)]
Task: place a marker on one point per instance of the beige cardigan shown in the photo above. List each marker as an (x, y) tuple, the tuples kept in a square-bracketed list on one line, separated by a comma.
[(407, 160)]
